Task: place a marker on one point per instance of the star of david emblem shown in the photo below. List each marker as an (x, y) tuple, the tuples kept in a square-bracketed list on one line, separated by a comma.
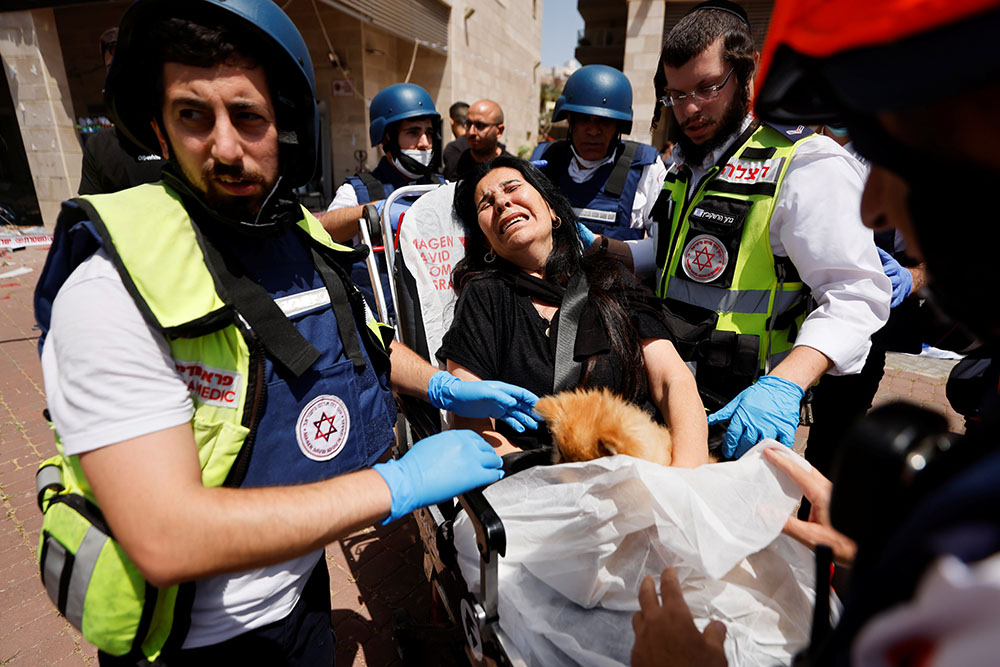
[(705, 263), (319, 427)]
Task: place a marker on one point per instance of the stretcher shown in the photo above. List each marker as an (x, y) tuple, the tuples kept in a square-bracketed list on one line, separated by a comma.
[(542, 568)]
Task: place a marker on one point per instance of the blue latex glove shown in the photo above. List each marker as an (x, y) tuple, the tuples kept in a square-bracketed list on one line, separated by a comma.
[(769, 408), (586, 235), (438, 468), (486, 398), (899, 276), (538, 164)]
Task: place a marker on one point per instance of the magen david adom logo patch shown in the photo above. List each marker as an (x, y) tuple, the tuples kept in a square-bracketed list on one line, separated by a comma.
[(705, 258), (323, 427)]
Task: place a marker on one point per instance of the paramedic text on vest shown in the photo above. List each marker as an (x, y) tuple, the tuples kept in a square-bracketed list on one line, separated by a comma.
[(612, 184), (928, 596), (231, 368), (758, 216)]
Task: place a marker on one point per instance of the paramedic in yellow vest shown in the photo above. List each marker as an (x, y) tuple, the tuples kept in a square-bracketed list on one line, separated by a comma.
[(217, 385), (759, 218)]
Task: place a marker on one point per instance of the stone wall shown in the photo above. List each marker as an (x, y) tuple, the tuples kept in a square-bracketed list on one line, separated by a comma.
[(35, 71), (52, 61), (644, 36)]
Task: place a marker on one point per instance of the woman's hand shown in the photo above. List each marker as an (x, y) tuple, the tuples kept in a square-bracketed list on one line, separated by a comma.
[(817, 489)]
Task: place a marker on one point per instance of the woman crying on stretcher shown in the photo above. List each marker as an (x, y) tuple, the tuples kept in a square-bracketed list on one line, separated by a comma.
[(524, 256)]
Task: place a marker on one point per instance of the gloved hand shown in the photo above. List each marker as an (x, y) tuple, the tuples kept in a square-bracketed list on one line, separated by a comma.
[(485, 398), (538, 164), (769, 408), (586, 235), (899, 276), (438, 468)]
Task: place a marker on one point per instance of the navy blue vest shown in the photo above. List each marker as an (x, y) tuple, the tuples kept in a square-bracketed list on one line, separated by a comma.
[(331, 420), (601, 211)]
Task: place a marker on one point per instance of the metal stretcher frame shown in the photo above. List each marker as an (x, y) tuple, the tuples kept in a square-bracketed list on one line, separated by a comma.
[(487, 644)]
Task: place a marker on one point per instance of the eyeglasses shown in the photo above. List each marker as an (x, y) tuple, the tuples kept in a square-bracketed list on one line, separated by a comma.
[(478, 124), (676, 98)]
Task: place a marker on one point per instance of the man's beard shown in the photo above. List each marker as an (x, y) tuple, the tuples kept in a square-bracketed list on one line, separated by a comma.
[(225, 204), (695, 154)]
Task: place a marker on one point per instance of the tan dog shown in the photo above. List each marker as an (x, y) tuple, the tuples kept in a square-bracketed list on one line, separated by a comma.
[(589, 423)]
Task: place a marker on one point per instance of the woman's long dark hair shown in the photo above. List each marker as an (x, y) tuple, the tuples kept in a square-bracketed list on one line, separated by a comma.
[(604, 274)]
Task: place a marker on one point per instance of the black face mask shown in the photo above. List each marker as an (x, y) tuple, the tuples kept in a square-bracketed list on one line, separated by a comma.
[(956, 223)]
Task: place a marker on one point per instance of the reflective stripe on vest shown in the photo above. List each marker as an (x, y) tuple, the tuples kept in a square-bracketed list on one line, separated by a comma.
[(731, 301), (605, 217), (84, 562)]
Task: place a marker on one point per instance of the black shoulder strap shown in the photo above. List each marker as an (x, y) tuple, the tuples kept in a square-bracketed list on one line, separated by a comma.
[(663, 214), (282, 341), (376, 191), (567, 369), (616, 181), (334, 283)]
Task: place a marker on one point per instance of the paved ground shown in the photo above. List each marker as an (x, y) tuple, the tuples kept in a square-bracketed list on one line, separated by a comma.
[(373, 573)]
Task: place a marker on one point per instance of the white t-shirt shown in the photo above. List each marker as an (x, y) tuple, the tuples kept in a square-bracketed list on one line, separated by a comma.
[(109, 377), (817, 224)]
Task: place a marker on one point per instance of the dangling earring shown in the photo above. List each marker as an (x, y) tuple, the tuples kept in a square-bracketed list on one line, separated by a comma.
[(557, 222), (489, 257)]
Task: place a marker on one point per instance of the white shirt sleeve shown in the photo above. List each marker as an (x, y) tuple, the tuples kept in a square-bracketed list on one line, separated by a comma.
[(345, 197), (108, 376), (817, 224), (650, 186)]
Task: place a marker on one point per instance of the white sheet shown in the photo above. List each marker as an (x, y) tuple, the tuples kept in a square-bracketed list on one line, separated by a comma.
[(581, 537)]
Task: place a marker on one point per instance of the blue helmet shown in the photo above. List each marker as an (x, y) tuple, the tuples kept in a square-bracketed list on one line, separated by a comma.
[(271, 38), (597, 90), (398, 102)]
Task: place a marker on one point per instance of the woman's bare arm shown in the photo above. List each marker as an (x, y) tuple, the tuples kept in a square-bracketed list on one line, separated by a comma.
[(674, 391)]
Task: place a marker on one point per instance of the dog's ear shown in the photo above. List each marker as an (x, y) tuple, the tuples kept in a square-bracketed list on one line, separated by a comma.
[(606, 448)]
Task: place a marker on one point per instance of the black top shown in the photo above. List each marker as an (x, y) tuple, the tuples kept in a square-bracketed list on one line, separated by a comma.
[(466, 162), (452, 152), (498, 335), (112, 163)]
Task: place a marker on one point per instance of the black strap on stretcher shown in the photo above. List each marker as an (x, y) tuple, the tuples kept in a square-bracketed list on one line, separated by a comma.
[(567, 369)]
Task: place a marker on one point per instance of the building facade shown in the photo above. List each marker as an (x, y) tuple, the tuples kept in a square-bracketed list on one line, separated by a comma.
[(458, 50), (629, 35)]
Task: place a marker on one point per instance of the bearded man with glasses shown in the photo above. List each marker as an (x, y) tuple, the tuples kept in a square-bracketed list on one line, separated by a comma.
[(759, 249)]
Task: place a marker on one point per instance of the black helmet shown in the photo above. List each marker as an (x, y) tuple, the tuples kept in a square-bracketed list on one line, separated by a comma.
[(277, 45)]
